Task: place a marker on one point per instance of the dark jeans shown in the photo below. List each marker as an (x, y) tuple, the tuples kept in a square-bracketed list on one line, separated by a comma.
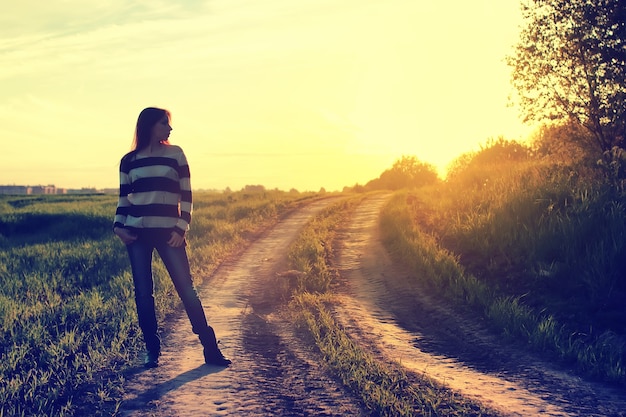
[(177, 264)]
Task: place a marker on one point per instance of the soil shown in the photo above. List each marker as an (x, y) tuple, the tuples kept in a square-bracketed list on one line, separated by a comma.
[(277, 373)]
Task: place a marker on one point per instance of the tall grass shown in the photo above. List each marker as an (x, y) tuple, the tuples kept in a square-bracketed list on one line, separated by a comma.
[(538, 249), (68, 326), (312, 251)]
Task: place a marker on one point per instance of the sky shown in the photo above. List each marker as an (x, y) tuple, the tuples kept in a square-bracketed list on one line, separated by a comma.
[(286, 94)]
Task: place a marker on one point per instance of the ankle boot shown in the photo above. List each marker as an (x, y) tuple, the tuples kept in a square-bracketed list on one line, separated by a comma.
[(212, 353), (152, 359)]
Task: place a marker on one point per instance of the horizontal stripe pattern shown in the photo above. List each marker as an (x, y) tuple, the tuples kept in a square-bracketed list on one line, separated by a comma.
[(155, 192)]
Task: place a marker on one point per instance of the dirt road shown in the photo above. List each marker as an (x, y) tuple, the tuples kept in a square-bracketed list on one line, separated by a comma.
[(380, 308), (273, 373)]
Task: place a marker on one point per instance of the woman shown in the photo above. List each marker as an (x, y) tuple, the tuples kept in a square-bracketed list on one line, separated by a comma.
[(154, 212)]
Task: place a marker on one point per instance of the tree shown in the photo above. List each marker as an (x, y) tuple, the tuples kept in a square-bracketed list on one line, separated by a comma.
[(570, 64), (565, 143), (406, 172), (493, 159)]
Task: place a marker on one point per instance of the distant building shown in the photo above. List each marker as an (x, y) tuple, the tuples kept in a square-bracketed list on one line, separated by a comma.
[(83, 190), (28, 189), (110, 191), (43, 189), (14, 189)]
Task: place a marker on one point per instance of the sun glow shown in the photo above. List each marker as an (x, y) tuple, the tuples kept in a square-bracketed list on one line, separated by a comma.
[(286, 94)]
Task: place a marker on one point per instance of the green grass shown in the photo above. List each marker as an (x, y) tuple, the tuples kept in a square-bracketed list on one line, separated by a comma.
[(68, 327), (538, 249), (384, 388)]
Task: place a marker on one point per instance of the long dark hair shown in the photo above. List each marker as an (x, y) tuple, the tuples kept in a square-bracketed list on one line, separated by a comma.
[(145, 122)]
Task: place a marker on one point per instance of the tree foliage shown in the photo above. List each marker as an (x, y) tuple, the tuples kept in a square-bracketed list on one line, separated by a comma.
[(565, 144), (493, 158), (406, 172), (570, 64)]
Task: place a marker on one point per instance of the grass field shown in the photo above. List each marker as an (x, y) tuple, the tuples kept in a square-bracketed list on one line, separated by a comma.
[(68, 326), (538, 249)]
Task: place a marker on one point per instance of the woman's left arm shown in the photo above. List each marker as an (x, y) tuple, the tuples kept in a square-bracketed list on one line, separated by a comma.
[(186, 198)]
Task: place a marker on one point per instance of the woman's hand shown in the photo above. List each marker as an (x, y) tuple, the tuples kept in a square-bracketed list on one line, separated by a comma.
[(125, 235), (176, 240)]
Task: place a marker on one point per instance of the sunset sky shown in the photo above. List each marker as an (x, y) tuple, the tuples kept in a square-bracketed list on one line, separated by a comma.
[(287, 94)]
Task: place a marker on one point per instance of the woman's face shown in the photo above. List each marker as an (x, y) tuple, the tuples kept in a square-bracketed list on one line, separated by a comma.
[(161, 130)]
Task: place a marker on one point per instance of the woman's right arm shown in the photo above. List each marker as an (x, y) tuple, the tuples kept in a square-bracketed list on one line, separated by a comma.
[(123, 206)]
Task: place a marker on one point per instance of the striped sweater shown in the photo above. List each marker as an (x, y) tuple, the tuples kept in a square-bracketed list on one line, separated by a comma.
[(155, 191)]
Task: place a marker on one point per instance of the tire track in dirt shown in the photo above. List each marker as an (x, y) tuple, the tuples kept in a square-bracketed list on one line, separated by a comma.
[(271, 374), (378, 308)]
